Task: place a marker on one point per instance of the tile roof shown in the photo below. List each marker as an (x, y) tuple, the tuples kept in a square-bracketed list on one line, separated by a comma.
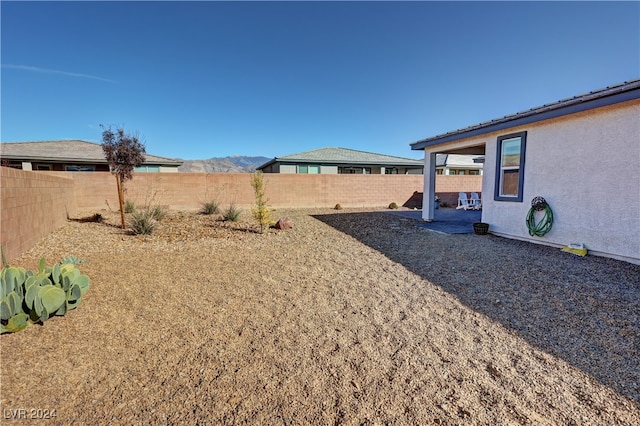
[(609, 95), (67, 150), (345, 156)]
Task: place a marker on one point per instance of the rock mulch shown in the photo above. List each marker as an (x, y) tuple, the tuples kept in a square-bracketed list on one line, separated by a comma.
[(351, 317)]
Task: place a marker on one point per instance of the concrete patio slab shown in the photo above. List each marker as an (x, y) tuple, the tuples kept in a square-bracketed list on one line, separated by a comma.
[(449, 221)]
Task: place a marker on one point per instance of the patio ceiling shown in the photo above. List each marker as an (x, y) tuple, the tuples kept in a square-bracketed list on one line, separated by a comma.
[(469, 150)]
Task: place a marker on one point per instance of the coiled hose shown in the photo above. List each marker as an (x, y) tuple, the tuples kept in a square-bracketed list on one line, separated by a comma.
[(544, 225)]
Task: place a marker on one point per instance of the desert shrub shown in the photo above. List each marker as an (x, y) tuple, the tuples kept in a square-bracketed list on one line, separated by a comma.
[(393, 206), (232, 213), (210, 207), (142, 222), (35, 296), (129, 206), (338, 207), (157, 212)]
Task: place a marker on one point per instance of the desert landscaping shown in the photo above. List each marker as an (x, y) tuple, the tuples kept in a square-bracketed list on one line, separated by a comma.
[(354, 316)]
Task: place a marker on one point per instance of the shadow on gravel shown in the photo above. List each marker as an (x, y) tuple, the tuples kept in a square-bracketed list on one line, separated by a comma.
[(585, 311)]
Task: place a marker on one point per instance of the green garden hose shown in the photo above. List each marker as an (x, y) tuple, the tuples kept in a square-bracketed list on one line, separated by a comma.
[(545, 224)]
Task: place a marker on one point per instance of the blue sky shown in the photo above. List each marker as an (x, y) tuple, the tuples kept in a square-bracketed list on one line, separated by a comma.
[(211, 79)]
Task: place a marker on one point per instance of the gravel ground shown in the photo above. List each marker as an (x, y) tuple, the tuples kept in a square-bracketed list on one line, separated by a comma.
[(352, 317)]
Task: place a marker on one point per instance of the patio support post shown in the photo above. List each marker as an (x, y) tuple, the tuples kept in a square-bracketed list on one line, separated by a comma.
[(429, 191)]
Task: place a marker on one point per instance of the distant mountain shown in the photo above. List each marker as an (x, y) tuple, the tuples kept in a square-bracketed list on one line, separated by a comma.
[(232, 164)]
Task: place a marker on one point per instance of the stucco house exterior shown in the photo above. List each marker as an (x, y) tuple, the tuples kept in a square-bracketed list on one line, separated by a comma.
[(341, 161), (581, 154), (71, 156)]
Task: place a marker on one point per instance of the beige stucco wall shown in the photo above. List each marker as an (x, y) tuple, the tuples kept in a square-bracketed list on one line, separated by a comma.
[(579, 164), (166, 169), (288, 168)]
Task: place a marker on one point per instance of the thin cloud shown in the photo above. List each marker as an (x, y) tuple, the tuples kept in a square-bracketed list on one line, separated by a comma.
[(50, 71)]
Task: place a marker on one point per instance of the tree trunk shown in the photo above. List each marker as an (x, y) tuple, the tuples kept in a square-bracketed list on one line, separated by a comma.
[(120, 199)]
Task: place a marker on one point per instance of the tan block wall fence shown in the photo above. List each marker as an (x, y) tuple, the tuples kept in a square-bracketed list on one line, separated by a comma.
[(449, 186), (36, 203), (31, 206)]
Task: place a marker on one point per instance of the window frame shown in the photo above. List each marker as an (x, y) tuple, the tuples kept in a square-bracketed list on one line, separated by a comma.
[(147, 169), (316, 167), (499, 168), (79, 168)]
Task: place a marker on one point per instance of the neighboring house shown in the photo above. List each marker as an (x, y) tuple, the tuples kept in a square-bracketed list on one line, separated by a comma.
[(581, 154), (457, 164), (71, 156), (341, 161)]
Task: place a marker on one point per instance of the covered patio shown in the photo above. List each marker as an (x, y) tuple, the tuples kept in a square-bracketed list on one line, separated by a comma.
[(429, 212)]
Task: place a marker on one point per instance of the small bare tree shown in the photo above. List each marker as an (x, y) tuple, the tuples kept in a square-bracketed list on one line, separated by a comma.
[(123, 152), (261, 209)]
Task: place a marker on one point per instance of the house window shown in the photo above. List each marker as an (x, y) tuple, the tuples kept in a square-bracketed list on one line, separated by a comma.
[(510, 167), (75, 168), (43, 167), (145, 169), (312, 169), (355, 170), (390, 171)]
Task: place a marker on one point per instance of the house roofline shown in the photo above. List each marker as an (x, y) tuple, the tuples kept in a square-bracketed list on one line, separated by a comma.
[(268, 163), (417, 164), (150, 159), (599, 98), (76, 160)]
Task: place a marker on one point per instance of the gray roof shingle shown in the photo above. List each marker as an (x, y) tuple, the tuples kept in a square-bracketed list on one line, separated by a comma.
[(345, 156), (67, 150)]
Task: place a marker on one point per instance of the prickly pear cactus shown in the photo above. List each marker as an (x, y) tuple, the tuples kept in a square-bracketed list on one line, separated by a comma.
[(15, 323), (36, 296), (72, 260), (12, 316)]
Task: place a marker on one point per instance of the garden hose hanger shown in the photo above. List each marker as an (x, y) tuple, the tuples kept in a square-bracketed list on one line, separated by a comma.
[(545, 224)]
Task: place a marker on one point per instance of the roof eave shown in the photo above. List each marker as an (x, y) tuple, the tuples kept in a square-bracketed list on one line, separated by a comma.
[(418, 163), (267, 164), (534, 115), (79, 160), (164, 163), (52, 159)]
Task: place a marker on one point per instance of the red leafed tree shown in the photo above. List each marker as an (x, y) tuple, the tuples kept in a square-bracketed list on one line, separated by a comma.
[(123, 152)]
